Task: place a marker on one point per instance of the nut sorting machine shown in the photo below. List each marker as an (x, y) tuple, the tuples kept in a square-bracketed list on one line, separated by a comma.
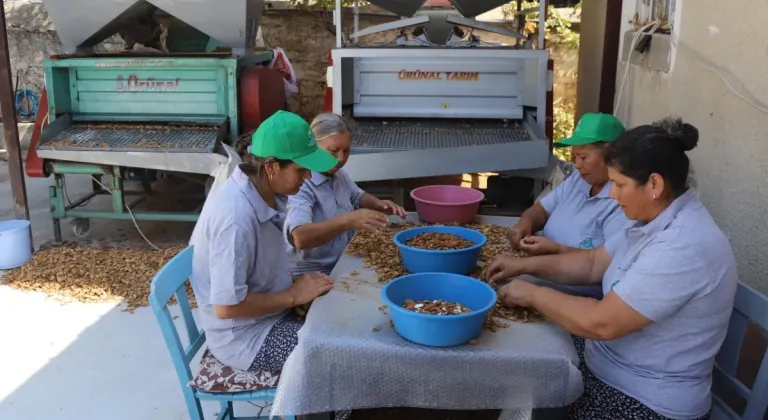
[(438, 100), (147, 116)]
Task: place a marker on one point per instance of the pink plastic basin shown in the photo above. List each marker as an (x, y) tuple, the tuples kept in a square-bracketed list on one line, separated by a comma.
[(447, 203)]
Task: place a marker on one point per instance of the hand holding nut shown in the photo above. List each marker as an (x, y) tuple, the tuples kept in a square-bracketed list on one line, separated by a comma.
[(365, 219)]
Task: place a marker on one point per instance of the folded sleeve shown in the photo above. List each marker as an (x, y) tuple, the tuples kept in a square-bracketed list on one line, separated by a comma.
[(232, 257), (554, 198), (665, 276)]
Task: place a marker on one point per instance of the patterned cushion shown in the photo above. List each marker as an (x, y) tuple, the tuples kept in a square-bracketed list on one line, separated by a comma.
[(215, 376)]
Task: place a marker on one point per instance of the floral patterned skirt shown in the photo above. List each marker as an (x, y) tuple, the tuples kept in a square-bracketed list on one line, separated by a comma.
[(278, 345), (601, 401)]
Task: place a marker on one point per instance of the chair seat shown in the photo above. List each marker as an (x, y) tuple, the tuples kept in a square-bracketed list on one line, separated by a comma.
[(216, 378), (266, 394)]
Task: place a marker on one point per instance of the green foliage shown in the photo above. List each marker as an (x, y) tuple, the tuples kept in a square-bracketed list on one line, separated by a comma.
[(556, 24), (563, 128)]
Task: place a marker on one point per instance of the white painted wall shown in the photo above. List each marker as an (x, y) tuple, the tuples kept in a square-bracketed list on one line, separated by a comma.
[(718, 81)]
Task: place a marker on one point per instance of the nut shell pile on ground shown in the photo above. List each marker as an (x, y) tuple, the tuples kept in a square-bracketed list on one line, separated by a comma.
[(435, 307), (439, 241), (380, 254), (82, 274)]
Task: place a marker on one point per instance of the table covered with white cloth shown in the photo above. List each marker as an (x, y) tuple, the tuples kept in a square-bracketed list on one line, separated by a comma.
[(349, 357)]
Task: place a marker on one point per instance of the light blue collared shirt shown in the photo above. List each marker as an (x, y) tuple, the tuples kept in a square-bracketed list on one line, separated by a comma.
[(577, 220), (238, 250), (678, 271), (321, 198)]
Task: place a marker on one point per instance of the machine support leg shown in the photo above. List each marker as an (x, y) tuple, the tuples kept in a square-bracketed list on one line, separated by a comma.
[(118, 199), (58, 208), (398, 194)]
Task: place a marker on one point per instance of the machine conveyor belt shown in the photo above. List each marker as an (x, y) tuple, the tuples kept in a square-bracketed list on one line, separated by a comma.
[(430, 134), (134, 138)]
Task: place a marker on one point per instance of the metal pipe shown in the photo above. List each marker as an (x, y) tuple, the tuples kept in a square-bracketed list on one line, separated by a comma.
[(11, 128), (337, 21), (542, 22), (357, 18), (154, 216), (77, 169), (79, 202)]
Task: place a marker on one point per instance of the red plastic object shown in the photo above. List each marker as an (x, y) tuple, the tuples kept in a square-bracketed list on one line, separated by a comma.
[(447, 203), (34, 164), (261, 95)]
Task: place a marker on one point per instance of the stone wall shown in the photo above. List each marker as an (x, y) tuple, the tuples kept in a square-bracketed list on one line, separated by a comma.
[(306, 37)]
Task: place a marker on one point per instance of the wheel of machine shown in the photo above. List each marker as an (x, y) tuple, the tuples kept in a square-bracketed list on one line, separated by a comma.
[(81, 227)]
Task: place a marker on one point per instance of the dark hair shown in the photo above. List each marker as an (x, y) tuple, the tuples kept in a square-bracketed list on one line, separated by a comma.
[(657, 148), (252, 165)]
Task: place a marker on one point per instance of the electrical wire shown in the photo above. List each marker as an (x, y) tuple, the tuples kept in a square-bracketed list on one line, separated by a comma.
[(635, 38), (132, 216), (730, 80), (722, 73)]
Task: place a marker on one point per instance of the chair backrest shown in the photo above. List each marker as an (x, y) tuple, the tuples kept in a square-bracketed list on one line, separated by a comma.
[(171, 281), (750, 306)]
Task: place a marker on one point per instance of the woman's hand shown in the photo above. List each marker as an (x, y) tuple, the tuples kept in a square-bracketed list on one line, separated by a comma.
[(365, 219), (538, 245), (502, 268), (519, 232), (389, 207), (518, 293), (309, 286)]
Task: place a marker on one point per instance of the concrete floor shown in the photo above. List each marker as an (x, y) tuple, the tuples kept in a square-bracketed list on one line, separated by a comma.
[(85, 361)]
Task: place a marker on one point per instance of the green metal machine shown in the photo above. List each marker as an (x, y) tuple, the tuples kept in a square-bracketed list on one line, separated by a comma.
[(124, 117)]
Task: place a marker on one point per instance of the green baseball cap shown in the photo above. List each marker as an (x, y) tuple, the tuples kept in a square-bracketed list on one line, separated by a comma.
[(287, 136), (594, 128)]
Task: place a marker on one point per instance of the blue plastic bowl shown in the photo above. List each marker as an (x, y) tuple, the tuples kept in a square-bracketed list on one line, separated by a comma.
[(458, 261), (438, 330)]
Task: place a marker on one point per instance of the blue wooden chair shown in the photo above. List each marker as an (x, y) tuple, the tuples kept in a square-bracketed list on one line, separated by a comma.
[(752, 306), (170, 281)]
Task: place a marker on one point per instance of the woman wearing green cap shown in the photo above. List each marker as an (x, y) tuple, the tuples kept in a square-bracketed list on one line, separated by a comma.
[(240, 272), (579, 213)]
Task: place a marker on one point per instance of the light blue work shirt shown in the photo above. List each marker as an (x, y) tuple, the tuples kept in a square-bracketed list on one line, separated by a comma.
[(678, 271), (577, 220), (238, 250), (321, 198)]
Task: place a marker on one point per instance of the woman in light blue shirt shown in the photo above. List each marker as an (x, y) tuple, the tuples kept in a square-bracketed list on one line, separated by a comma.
[(579, 213), (669, 281), (329, 207)]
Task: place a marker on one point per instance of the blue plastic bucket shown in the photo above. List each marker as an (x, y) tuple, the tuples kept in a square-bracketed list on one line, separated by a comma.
[(438, 330), (457, 261), (15, 248)]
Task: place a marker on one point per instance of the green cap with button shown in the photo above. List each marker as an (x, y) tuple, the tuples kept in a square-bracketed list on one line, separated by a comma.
[(594, 128), (287, 136)]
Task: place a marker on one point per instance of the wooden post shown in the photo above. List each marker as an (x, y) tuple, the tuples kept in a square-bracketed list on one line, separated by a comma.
[(10, 126)]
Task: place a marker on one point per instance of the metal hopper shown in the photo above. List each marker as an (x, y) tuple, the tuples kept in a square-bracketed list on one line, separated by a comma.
[(472, 8), (84, 23), (467, 8)]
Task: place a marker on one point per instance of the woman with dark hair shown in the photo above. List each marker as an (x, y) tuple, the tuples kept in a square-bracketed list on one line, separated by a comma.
[(669, 281), (240, 274)]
